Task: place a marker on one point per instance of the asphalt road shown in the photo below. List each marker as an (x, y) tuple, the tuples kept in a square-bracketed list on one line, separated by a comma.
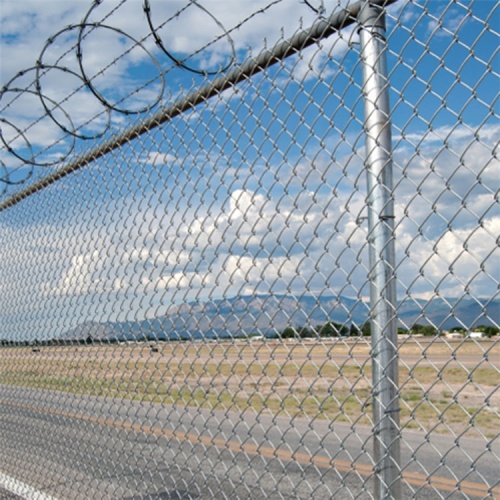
[(66, 446)]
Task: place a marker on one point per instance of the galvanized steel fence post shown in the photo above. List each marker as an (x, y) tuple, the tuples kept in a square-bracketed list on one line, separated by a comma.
[(378, 165)]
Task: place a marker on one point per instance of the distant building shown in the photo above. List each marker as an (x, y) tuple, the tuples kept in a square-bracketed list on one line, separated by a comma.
[(255, 338), (476, 335), (453, 336)]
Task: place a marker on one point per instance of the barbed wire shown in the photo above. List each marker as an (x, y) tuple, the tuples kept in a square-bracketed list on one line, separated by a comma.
[(18, 133), (181, 62)]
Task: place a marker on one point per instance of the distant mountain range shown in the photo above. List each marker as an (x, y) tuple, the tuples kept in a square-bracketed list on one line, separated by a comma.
[(269, 314)]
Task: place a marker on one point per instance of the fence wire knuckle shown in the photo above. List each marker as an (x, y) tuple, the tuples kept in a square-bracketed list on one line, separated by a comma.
[(249, 249)]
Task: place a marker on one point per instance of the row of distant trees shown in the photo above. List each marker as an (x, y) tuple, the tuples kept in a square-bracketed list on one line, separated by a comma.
[(56, 342), (488, 330), (327, 330), (332, 329)]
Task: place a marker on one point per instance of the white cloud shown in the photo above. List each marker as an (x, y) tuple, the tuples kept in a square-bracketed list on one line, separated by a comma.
[(447, 23), (321, 59), (255, 239), (156, 158), (28, 24), (82, 277), (123, 75), (459, 259)]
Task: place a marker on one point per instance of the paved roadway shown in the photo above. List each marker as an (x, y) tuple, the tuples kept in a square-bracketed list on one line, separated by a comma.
[(63, 446)]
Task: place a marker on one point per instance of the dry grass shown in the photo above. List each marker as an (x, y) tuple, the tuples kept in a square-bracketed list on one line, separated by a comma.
[(446, 387)]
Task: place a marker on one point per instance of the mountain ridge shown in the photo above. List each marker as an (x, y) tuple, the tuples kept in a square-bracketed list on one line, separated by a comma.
[(269, 314)]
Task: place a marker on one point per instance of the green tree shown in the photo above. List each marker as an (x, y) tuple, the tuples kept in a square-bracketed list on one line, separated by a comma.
[(488, 330), (427, 330), (366, 329), (289, 333), (332, 329), (307, 333)]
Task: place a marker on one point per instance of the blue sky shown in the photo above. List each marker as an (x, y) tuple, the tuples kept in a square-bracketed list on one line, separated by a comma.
[(261, 189)]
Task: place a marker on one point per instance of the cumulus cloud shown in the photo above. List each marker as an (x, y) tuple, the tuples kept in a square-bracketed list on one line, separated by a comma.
[(28, 24), (156, 158), (240, 240)]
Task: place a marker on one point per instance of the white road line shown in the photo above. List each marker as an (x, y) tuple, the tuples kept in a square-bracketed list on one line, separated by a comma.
[(21, 489)]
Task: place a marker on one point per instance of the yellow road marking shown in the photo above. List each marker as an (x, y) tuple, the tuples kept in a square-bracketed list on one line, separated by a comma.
[(413, 478)]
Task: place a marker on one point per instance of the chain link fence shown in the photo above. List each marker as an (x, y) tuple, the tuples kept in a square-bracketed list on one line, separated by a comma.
[(249, 249)]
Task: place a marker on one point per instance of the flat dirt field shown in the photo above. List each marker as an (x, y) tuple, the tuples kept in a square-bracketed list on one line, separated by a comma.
[(447, 386)]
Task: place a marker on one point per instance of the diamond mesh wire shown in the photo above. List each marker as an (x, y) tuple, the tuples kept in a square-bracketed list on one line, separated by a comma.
[(185, 294)]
